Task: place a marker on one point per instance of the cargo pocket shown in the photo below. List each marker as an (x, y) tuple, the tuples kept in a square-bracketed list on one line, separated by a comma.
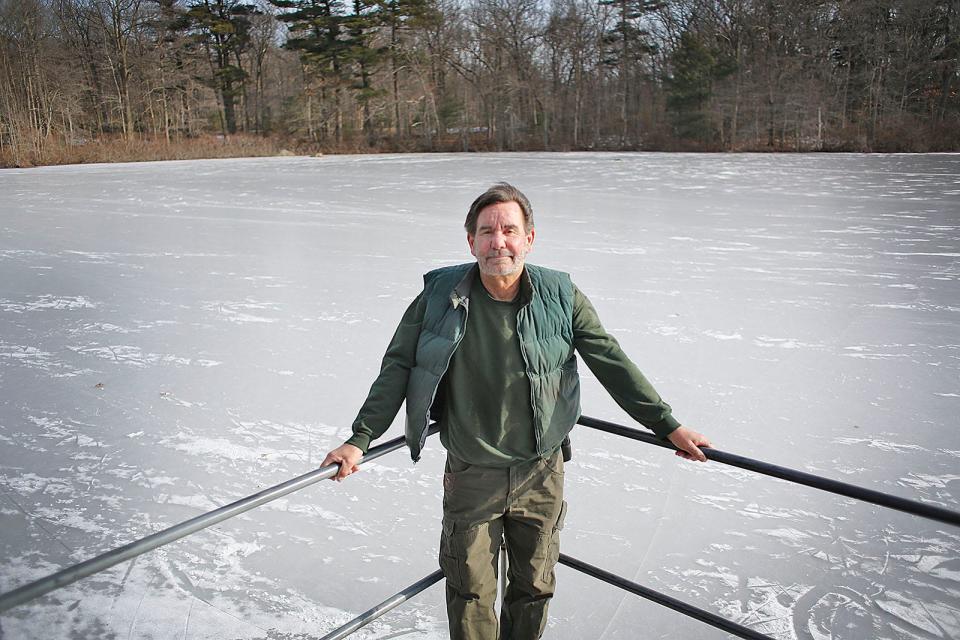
[(467, 558), (450, 558), (553, 551)]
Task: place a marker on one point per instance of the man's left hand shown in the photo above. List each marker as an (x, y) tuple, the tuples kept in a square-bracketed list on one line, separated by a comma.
[(688, 443)]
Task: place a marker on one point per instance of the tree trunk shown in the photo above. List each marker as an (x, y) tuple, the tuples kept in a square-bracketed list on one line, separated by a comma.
[(734, 120), (394, 73), (338, 101)]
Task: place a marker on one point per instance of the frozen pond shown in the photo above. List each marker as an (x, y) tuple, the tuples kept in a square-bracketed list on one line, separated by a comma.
[(174, 336)]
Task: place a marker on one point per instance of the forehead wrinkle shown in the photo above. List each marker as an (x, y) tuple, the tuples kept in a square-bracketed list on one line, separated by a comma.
[(485, 227)]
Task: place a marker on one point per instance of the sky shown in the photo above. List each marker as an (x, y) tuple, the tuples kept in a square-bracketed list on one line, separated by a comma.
[(177, 335)]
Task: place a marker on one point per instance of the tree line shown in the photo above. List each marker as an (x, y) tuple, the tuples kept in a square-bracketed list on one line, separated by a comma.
[(372, 75)]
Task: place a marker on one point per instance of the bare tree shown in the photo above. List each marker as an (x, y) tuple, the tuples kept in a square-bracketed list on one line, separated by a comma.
[(491, 74)]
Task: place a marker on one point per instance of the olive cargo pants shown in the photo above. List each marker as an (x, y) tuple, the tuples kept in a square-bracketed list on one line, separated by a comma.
[(522, 504)]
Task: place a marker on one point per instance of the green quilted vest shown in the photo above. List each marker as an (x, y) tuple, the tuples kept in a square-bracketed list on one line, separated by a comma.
[(545, 328)]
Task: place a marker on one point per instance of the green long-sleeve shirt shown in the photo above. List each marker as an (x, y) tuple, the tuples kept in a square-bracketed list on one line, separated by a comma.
[(487, 416)]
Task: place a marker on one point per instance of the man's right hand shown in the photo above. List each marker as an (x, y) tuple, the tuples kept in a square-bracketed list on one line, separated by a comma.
[(347, 456)]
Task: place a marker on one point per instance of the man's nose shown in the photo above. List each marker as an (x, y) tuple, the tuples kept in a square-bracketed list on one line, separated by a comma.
[(498, 240)]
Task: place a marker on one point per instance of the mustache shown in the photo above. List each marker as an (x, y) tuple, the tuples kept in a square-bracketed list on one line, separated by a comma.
[(499, 254)]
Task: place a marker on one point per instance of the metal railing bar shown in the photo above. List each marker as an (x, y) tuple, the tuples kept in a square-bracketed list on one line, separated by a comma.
[(662, 599), (914, 507), (369, 616), (133, 549)]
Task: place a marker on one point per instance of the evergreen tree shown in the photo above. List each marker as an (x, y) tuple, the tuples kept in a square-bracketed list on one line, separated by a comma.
[(695, 68), (321, 31), (626, 46), (396, 16), (316, 31), (223, 28), (364, 57)]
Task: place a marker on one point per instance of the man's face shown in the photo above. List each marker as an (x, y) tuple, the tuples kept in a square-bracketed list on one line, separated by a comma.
[(501, 242)]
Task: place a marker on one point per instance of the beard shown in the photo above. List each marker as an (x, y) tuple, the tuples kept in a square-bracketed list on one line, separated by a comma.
[(501, 263)]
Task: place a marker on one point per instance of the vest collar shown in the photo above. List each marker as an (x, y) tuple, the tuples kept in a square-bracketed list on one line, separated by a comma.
[(461, 292), (526, 286)]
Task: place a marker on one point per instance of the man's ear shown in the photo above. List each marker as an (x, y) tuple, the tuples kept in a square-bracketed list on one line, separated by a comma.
[(470, 239)]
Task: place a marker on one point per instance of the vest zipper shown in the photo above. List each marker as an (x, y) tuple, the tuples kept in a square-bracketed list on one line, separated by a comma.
[(464, 302), (533, 403)]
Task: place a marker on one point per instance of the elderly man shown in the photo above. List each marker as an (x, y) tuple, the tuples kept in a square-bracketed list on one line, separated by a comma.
[(487, 351)]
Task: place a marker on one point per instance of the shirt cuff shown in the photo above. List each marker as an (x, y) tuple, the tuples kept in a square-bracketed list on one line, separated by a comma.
[(665, 427), (361, 441)]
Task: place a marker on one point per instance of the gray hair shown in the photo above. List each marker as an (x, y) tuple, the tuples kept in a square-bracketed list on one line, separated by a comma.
[(500, 192)]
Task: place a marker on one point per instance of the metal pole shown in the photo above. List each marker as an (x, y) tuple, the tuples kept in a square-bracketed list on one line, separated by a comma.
[(503, 574), (785, 473), (369, 616), (671, 603), (106, 560)]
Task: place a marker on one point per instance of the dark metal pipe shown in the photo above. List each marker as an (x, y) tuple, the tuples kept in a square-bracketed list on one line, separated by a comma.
[(106, 560), (369, 616), (662, 599), (914, 507)]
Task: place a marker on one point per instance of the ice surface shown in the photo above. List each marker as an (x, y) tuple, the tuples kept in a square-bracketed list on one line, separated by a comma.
[(174, 336)]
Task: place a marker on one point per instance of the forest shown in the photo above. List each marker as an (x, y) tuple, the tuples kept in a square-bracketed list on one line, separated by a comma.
[(115, 80)]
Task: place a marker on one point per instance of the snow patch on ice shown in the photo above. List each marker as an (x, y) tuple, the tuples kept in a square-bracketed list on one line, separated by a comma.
[(25, 355), (876, 443), (240, 311), (784, 343), (723, 336), (926, 481), (135, 356), (48, 302)]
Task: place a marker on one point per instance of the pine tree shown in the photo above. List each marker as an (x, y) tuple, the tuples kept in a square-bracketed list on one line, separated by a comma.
[(395, 16), (320, 31), (626, 46), (364, 57), (695, 68), (223, 28)]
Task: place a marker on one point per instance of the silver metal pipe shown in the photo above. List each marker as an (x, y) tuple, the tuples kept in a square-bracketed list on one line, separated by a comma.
[(138, 547), (369, 616), (503, 573), (662, 599), (933, 512)]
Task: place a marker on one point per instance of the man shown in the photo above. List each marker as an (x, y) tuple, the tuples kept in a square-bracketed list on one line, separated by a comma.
[(487, 351)]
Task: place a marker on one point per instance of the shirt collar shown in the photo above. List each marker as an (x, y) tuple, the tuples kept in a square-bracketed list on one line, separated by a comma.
[(461, 292)]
